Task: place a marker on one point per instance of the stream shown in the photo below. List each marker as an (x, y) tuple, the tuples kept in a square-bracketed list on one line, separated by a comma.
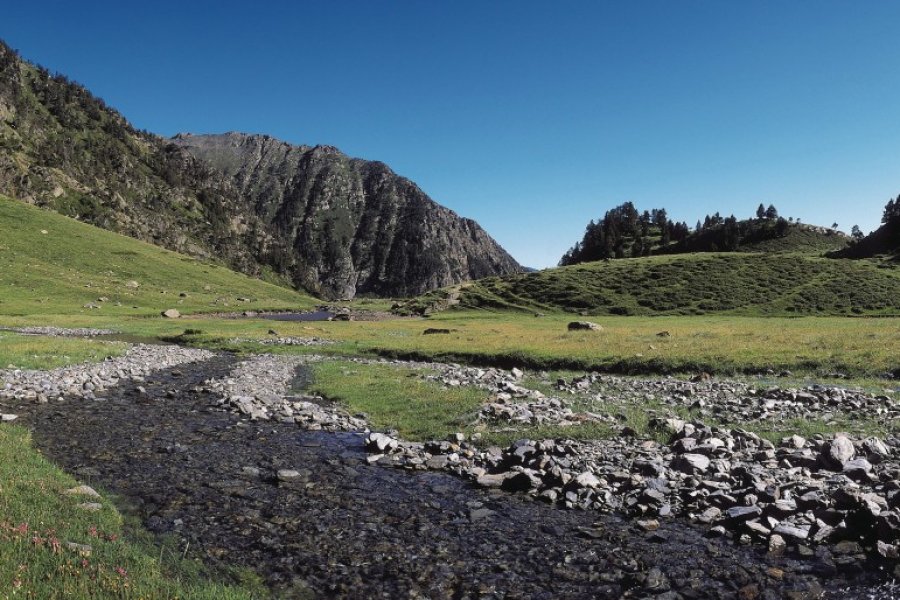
[(342, 528)]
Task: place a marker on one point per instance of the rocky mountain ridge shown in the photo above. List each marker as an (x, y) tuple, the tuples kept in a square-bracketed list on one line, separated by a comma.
[(348, 227), (345, 224)]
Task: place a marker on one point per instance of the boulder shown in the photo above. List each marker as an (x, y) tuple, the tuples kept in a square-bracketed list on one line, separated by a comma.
[(171, 313), (838, 452), (584, 326), (691, 463)]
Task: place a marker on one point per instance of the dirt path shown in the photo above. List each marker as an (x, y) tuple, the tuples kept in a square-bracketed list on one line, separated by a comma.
[(339, 527)]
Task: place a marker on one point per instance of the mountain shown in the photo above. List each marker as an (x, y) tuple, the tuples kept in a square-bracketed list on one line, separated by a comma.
[(349, 225), (65, 149)]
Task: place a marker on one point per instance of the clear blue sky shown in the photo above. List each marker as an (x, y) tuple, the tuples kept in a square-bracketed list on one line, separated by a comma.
[(530, 117)]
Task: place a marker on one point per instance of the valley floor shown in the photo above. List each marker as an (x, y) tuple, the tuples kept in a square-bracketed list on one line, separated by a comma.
[(255, 461)]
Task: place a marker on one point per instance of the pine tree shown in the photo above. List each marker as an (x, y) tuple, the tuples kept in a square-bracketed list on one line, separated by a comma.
[(760, 211), (771, 212)]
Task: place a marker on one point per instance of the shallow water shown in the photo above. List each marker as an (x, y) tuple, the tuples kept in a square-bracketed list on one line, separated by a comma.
[(318, 315)]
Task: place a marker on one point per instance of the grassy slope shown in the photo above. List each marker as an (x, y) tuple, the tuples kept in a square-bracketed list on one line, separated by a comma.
[(74, 264), (703, 283)]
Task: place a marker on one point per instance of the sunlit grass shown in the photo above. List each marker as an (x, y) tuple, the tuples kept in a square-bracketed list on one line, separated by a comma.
[(42, 352), (51, 264)]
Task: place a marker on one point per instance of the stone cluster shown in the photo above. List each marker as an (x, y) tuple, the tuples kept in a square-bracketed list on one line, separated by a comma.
[(60, 331), (728, 401), (259, 388), (94, 379), (284, 341), (836, 491)]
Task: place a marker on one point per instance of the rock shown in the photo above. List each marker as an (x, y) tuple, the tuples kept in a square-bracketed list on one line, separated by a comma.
[(435, 331), (7, 417), (584, 326), (521, 482), (81, 549), (132, 284), (691, 463), (838, 451), (887, 550), (857, 469), (664, 334), (82, 490), (288, 475), (743, 513), (90, 506), (380, 442), (491, 480), (797, 533), (648, 524), (777, 544), (479, 514), (171, 313), (587, 480)]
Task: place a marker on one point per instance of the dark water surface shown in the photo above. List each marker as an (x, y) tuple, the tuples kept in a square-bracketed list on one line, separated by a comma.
[(317, 315), (346, 529)]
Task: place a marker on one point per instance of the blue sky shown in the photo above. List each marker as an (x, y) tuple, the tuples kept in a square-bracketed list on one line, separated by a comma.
[(530, 117)]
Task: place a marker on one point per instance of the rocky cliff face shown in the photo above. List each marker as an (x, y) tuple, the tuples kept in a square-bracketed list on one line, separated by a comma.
[(347, 226), (311, 216)]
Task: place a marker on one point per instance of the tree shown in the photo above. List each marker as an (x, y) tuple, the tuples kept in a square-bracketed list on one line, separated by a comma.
[(856, 233), (699, 226), (771, 212), (760, 211), (892, 212)]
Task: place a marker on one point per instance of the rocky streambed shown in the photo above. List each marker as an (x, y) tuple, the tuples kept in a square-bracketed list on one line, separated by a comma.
[(220, 453)]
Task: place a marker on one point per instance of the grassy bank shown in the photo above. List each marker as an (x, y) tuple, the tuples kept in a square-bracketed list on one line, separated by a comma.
[(41, 352), (38, 522)]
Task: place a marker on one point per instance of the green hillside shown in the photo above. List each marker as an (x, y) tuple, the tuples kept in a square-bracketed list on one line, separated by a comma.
[(694, 284), (760, 235), (52, 264)]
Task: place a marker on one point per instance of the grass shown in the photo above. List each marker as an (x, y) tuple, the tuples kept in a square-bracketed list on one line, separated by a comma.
[(746, 284), (41, 352), (397, 398), (37, 520), (51, 264), (817, 347)]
